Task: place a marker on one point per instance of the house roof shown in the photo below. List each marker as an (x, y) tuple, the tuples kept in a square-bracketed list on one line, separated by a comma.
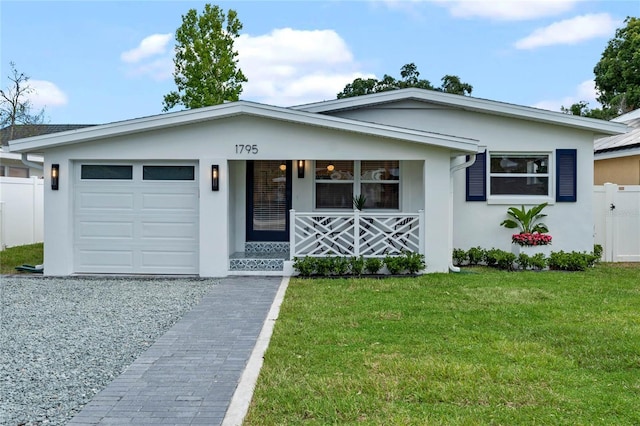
[(468, 103), (625, 144), (239, 108), (27, 130)]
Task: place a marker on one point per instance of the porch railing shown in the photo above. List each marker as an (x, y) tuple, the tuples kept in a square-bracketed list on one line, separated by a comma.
[(355, 234)]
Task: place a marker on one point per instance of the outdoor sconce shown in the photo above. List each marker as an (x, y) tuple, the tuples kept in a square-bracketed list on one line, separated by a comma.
[(215, 180), (55, 171), (300, 169)]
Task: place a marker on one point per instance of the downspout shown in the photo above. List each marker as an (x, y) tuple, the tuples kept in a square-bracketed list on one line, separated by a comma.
[(31, 164), (452, 170)]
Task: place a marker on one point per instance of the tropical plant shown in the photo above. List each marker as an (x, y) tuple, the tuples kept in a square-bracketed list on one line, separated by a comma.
[(359, 202), (526, 219)]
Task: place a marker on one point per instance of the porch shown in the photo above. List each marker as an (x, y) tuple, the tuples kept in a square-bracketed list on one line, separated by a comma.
[(349, 234)]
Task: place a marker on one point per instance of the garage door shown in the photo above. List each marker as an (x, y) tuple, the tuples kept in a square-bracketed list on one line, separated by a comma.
[(136, 218)]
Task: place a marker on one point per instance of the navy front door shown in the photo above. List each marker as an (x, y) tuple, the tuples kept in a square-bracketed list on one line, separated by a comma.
[(268, 200)]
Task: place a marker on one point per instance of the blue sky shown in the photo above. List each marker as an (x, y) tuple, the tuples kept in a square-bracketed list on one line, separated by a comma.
[(105, 61)]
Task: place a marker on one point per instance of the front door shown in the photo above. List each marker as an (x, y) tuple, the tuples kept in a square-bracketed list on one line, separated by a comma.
[(268, 200)]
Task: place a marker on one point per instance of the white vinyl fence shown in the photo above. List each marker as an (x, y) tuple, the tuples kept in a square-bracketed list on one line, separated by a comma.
[(617, 221), (21, 211)]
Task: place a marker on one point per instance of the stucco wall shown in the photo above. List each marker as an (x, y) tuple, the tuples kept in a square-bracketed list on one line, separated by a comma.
[(477, 223), (621, 170)]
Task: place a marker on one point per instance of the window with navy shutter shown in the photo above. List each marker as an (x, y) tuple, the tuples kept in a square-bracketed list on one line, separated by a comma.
[(566, 175), (477, 179)]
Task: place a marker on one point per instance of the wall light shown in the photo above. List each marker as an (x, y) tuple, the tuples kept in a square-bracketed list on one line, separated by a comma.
[(331, 167), (283, 166), (215, 177), (301, 169), (55, 173)]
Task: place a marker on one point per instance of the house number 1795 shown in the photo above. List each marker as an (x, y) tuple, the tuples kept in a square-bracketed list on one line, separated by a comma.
[(246, 149)]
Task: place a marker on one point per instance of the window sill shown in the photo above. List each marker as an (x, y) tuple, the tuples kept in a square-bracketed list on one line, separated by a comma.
[(520, 200)]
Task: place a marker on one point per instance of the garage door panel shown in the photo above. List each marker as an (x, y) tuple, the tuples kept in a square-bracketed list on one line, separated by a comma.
[(175, 260), (105, 230), (170, 202), (169, 231), (105, 201), (94, 258)]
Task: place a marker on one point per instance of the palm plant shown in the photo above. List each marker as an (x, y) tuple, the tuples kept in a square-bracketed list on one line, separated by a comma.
[(526, 219)]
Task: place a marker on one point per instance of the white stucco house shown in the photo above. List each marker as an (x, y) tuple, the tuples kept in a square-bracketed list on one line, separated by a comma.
[(243, 186)]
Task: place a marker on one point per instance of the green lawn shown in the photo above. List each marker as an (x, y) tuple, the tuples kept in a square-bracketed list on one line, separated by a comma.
[(31, 254), (488, 347)]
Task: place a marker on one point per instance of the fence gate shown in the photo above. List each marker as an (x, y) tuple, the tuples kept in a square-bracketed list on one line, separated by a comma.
[(617, 221)]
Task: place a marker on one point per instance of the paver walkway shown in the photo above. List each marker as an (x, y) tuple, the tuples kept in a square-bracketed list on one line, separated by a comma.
[(188, 376)]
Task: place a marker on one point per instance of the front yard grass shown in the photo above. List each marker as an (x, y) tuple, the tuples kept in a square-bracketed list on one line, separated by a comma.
[(31, 254), (488, 347)]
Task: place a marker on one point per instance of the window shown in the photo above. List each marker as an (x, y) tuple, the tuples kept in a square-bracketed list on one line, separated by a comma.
[(519, 174), (105, 171), (11, 171), (337, 182), (524, 174), (168, 172)]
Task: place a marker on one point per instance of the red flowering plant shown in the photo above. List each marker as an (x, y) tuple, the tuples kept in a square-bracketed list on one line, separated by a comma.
[(531, 239), (532, 232)]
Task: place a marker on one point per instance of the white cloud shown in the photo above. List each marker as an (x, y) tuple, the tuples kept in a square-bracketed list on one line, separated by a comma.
[(499, 10), (155, 44), (585, 91), (46, 94), (570, 31), (288, 66)]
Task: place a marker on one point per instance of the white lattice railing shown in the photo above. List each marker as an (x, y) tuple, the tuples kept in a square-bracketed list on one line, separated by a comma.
[(355, 234)]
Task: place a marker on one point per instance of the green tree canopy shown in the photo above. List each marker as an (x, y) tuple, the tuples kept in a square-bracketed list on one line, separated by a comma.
[(206, 66), (409, 77), (618, 71), (617, 76)]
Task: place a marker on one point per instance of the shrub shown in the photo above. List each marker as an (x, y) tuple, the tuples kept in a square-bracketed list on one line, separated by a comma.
[(340, 265), (597, 251), (538, 261), (357, 265), (491, 256), (372, 265), (413, 262), (573, 261), (459, 257), (505, 260), (475, 255), (395, 264), (523, 260), (305, 266), (324, 265)]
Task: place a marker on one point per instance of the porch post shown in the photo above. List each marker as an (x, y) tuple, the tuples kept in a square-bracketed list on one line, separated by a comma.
[(292, 234), (356, 232), (422, 233)]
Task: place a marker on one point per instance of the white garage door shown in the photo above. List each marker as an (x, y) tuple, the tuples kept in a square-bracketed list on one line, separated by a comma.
[(136, 218)]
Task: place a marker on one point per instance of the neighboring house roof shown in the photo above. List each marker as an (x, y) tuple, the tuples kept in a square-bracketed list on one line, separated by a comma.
[(467, 103), (621, 145), (21, 131), (36, 144)]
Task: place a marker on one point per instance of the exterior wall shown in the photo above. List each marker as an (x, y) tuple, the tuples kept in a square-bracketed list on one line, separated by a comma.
[(621, 170), (222, 213), (478, 223), (21, 211)]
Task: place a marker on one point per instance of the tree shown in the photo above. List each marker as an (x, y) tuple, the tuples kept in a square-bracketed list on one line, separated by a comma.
[(15, 107), (582, 109), (618, 71), (410, 77), (206, 71)]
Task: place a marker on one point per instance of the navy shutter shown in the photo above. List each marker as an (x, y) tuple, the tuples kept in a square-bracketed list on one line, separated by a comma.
[(566, 175), (477, 178)]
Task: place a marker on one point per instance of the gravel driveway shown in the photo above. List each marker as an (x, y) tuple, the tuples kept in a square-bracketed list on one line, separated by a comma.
[(62, 340)]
